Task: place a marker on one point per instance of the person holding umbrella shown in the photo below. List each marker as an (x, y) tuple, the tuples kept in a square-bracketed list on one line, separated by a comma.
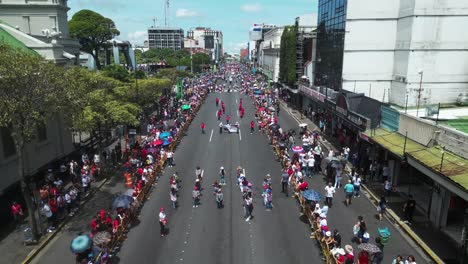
[(162, 221)]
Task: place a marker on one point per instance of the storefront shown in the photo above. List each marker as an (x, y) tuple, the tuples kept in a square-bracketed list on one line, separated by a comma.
[(352, 114), (312, 100)]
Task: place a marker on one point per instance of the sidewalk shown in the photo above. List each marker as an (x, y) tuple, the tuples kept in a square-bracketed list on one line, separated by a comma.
[(419, 228), (11, 245)]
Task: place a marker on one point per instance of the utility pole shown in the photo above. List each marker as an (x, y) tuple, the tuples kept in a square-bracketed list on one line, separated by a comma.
[(191, 56), (166, 11), (420, 72)]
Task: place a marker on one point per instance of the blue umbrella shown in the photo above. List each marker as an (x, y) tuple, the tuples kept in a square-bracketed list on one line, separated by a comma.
[(164, 135), (166, 142), (123, 201), (312, 195), (257, 92), (80, 244)]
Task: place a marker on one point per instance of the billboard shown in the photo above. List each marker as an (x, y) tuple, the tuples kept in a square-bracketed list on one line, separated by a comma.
[(255, 32)]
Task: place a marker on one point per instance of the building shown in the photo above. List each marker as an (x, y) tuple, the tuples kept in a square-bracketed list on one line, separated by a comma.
[(165, 38), (331, 24), (401, 52), (269, 57), (25, 23), (208, 39), (46, 24)]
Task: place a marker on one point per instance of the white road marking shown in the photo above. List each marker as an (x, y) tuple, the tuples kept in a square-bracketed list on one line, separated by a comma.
[(236, 100), (240, 135), (211, 134), (202, 171)]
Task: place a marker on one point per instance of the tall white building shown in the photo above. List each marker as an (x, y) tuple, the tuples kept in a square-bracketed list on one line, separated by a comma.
[(401, 50), (270, 53)]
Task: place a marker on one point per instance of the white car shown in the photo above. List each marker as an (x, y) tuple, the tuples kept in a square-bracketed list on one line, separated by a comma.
[(231, 128)]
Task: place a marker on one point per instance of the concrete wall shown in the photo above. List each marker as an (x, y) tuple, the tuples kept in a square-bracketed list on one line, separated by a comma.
[(37, 154), (454, 141), (419, 130)]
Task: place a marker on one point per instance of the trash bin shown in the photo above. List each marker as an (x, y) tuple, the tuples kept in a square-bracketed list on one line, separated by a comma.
[(384, 234)]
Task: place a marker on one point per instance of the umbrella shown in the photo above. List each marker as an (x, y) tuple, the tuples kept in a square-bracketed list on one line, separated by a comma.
[(123, 201), (257, 92), (164, 134), (312, 195), (185, 107), (166, 142), (297, 149), (101, 238), (80, 244), (129, 192), (261, 109), (157, 142), (336, 165), (275, 126), (152, 150), (371, 248), (271, 108), (330, 159)]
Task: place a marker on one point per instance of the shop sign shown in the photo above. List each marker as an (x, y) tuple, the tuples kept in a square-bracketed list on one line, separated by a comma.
[(341, 107), (312, 93)]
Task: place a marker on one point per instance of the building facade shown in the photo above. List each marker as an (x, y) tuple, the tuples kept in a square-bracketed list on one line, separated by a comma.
[(165, 38), (331, 25), (208, 39), (269, 57), (402, 52)]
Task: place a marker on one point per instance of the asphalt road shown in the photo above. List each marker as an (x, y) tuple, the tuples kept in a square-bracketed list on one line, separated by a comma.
[(210, 235)]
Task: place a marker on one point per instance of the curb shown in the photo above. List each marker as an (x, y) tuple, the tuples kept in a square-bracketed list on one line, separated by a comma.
[(373, 198), (50, 236)]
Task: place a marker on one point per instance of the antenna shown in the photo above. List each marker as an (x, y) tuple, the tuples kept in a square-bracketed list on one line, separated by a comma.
[(154, 22), (166, 11)]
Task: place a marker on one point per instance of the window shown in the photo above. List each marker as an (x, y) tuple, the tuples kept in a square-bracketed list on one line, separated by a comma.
[(41, 132), (53, 23), (7, 142)]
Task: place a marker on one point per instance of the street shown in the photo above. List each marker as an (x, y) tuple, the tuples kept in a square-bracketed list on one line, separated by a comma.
[(210, 235)]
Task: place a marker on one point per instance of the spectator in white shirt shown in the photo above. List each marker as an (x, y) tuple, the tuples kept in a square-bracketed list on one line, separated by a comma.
[(329, 192)]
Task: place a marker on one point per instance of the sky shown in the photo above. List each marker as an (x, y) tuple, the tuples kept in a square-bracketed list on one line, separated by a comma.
[(234, 17)]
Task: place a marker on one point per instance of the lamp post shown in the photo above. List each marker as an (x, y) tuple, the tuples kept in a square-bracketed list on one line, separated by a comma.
[(420, 72), (191, 56)]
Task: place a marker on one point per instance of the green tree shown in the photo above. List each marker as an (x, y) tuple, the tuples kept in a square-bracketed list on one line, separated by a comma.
[(288, 55), (200, 59), (117, 72), (93, 31), (32, 92)]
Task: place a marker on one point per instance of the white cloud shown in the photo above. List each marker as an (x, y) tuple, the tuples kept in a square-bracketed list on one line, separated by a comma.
[(251, 8), (233, 47), (182, 12), (137, 37)]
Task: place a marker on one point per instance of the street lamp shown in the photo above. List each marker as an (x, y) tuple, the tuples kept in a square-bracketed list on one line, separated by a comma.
[(420, 72)]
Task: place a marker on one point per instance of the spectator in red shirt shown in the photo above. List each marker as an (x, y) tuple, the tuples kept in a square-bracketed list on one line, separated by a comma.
[(54, 209), (17, 212), (303, 185), (94, 226)]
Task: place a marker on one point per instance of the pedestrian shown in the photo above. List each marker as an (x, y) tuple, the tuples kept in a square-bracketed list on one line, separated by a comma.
[(217, 101), (349, 257), (362, 229), (220, 127), (228, 119), (196, 196), (248, 206), (398, 260), (377, 257), (310, 165), (202, 126), (222, 180), (408, 209), (219, 198), (173, 196), (387, 187), (269, 199), (329, 192), (48, 213), (381, 207), (252, 127), (17, 213), (162, 221), (349, 190), (170, 158), (284, 183), (357, 185), (410, 260)]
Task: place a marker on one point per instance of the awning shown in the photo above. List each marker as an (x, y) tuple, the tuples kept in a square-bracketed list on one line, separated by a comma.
[(454, 167), (394, 142)]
